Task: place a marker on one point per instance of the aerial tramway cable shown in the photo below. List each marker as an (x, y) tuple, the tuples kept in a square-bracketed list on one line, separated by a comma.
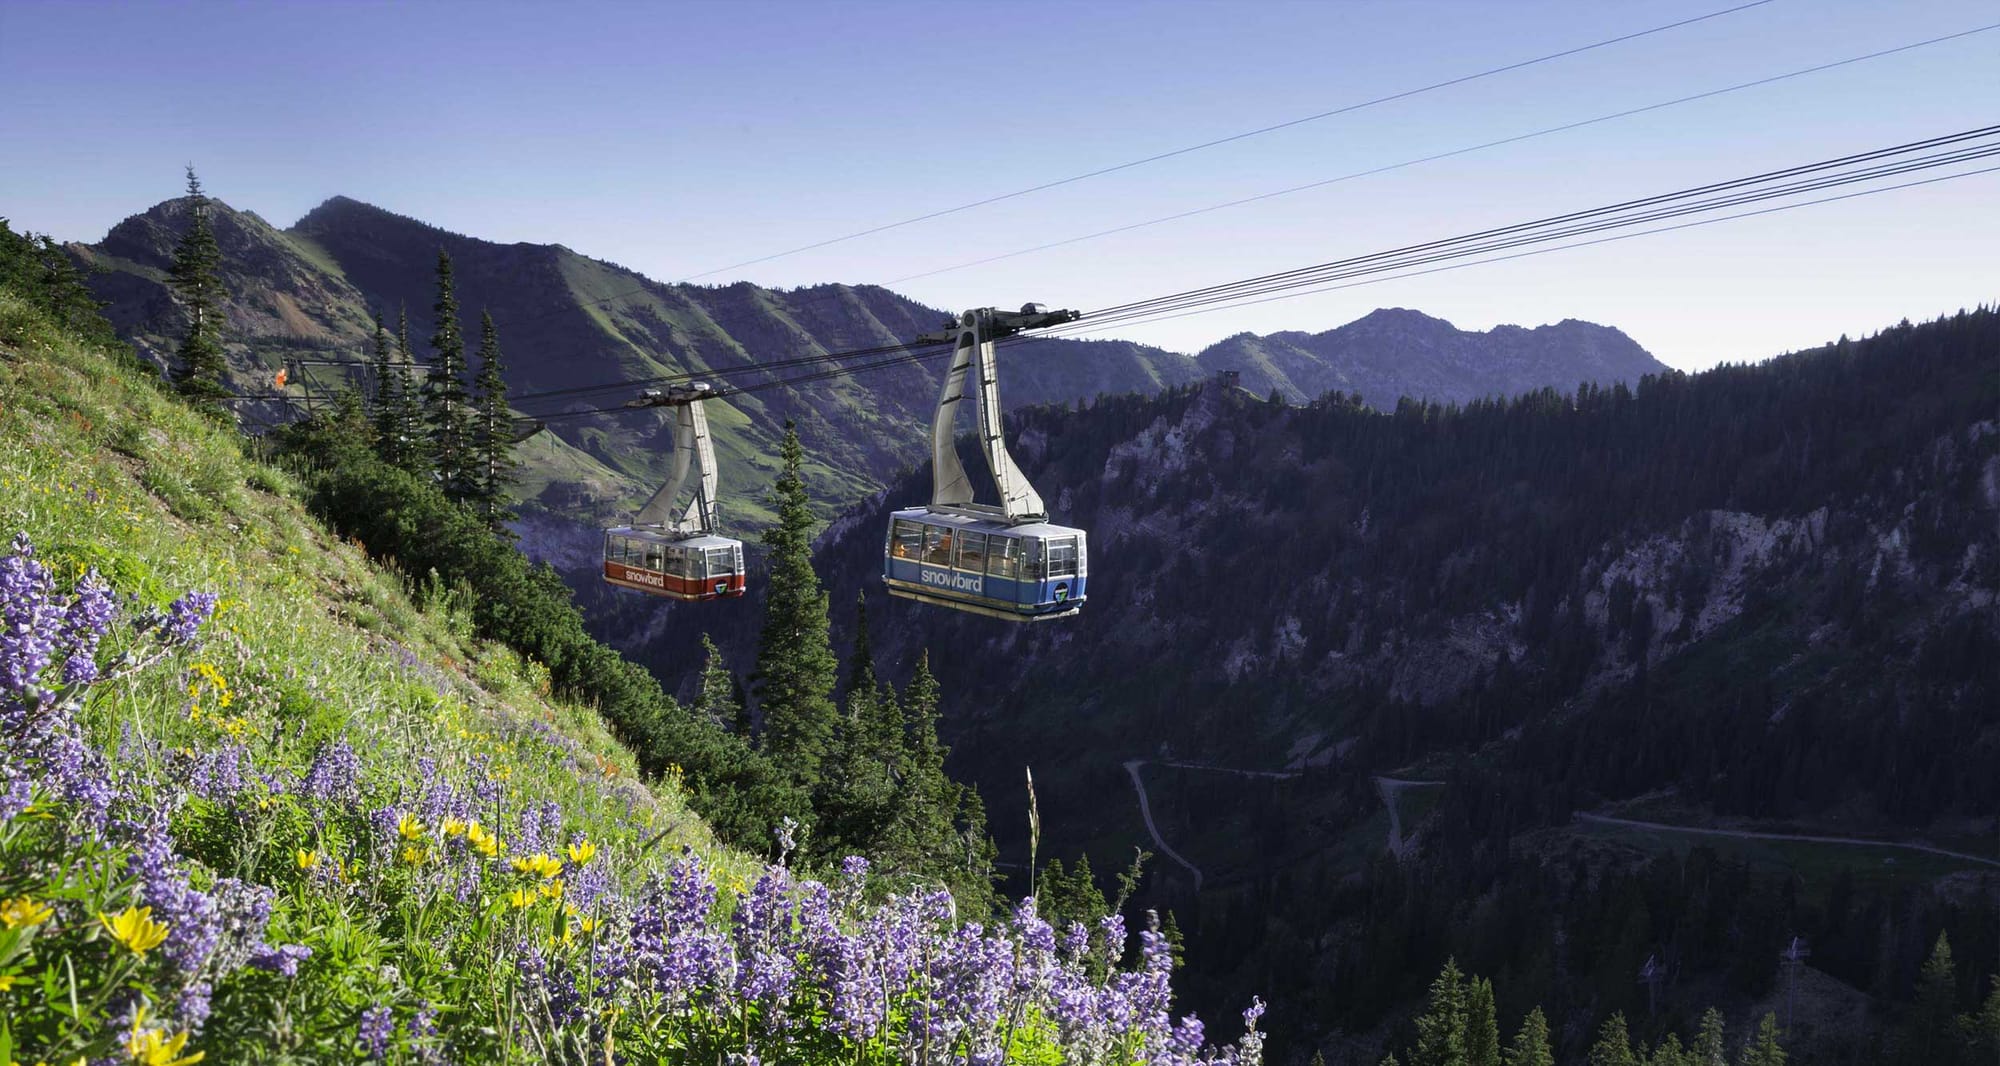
[(1437, 156), (1232, 138)]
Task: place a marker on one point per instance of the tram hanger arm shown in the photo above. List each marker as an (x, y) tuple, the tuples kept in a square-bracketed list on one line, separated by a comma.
[(1003, 324)]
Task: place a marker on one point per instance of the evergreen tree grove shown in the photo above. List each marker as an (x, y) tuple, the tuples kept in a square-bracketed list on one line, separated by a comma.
[(196, 281), (446, 410), (493, 429), (796, 668)]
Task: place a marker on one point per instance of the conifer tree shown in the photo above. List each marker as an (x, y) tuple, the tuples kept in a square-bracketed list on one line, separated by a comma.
[(1670, 1053), (796, 668), (719, 699), (1711, 1042), (412, 439), (493, 429), (1929, 1037), (1985, 1025), (1763, 1049), (196, 279), (1614, 1044), (1531, 1042), (1441, 1029), (869, 745), (385, 401), (446, 410), (1482, 1025), (923, 835)]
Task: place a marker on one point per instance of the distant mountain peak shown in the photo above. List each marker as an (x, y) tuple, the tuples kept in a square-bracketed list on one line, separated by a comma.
[(1393, 352)]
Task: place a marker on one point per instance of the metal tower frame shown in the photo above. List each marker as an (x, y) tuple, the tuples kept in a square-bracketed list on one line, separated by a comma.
[(694, 453), (972, 336)]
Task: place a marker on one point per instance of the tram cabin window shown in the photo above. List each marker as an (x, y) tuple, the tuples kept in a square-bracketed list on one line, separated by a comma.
[(1003, 557), (907, 540), (721, 561), (1062, 557), (971, 552), (937, 546)]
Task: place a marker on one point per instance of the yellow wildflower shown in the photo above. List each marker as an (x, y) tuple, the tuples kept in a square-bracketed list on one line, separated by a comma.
[(136, 929), (453, 827), (520, 897), (7, 982), (152, 1047), (580, 853), (553, 889), (541, 865), (410, 827), (23, 912), (415, 856), (307, 859), (585, 925)]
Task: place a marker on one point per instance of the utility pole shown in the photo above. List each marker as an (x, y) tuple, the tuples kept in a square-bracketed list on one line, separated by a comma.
[(1793, 958), (1651, 975)]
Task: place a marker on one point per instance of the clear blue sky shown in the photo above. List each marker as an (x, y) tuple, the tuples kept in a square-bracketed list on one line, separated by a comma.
[(676, 138)]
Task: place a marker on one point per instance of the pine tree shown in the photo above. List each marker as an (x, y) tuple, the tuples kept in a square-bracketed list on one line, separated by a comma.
[(1441, 1029), (1985, 1025), (868, 746), (922, 836), (493, 429), (1671, 1053), (446, 410), (1614, 1044), (385, 400), (796, 668), (1711, 1043), (1531, 1042), (719, 700), (1928, 1038), (196, 280), (1482, 1025), (1763, 1049), (412, 440)]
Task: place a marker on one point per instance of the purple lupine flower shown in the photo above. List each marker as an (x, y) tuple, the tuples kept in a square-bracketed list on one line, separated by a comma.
[(74, 770), (334, 776), (218, 775), (84, 625), (186, 616), (282, 960), (423, 1028), (377, 1023), (192, 1005), (192, 916), (30, 623), (15, 794)]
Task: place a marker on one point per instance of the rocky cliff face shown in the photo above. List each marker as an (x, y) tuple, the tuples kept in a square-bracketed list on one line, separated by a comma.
[(1393, 353)]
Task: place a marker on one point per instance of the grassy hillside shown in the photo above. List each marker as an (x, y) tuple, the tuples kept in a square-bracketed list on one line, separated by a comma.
[(259, 805)]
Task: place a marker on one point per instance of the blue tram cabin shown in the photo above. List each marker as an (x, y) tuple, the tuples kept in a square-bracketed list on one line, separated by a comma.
[(1025, 572)]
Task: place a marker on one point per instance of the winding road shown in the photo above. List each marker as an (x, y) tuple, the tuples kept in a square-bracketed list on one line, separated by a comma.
[(1389, 787), (1804, 838), (1132, 767)]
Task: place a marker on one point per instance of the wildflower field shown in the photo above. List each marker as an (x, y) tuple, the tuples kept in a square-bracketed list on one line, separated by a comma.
[(258, 805)]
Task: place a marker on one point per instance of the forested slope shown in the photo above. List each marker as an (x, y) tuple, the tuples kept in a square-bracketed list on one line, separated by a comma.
[(1762, 592)]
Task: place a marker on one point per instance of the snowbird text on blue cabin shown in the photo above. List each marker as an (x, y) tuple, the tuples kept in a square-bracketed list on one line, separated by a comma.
[(948, 579)]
